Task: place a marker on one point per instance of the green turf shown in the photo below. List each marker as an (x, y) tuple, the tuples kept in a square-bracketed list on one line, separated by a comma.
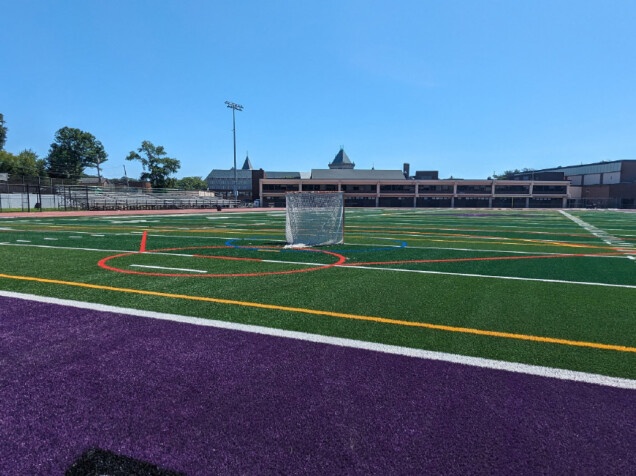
[(466, 294)]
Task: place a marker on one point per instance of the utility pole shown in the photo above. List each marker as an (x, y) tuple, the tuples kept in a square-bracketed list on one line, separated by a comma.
[(234, 107)]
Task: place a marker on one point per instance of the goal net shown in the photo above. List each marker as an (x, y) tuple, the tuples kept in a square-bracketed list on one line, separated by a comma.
[(314, 218)]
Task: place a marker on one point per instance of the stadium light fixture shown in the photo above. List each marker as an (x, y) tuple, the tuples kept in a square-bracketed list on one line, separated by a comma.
[(235, 107)]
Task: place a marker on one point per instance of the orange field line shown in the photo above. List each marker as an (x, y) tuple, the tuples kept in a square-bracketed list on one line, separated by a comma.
[(142, 247), (464, 330), (479, 229), (507, 240)]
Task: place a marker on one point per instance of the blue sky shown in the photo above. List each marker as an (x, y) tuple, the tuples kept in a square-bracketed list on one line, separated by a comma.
[(463, 87)]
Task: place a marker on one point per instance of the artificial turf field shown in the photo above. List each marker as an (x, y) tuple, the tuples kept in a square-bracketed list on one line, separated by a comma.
[(540, 292)]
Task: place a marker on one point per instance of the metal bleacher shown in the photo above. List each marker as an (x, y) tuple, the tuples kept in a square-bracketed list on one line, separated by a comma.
[(124, 198)]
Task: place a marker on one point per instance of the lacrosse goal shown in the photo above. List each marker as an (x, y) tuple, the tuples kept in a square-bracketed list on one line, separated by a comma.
[(314, 218)]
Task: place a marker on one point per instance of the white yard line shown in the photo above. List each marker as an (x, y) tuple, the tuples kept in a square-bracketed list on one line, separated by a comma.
[(171, 269), (603, 235), (549, 372)]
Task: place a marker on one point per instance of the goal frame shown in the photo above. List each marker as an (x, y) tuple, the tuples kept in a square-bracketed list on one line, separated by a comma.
[(340, 240)]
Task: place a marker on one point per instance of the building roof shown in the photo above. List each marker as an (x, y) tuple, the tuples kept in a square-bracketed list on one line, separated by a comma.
[(229, 174), (341, 160), (350, 174), (247, 165), (282, 175), (593, 168)]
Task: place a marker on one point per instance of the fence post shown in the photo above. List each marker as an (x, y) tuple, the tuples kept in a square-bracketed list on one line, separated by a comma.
[(28, 198), (39, 194)]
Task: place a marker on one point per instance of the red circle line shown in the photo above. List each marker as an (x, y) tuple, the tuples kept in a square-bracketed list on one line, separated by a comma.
[(102, 263)]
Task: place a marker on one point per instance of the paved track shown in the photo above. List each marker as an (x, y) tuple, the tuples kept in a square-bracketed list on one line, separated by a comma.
[(87, 213)]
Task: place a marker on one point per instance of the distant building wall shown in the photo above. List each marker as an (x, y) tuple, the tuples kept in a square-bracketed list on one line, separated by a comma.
[(426, 175), (426, 193), (611, 177)]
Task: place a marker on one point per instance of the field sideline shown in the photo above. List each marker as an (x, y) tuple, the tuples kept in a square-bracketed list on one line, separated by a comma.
[(544, 294)]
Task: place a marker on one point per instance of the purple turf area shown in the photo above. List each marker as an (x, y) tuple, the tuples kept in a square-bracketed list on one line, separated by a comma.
[(209, 401)]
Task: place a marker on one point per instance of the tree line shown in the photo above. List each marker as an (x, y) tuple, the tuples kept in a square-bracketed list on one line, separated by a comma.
[(74, 150)]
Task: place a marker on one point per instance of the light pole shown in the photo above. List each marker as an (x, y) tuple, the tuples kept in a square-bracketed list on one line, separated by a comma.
[(234, 107)]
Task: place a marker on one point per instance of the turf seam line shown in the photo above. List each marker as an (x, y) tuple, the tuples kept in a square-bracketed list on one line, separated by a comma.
[(548, 372), (382, 320)]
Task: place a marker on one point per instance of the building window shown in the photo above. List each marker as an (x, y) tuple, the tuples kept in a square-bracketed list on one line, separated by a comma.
[(320, 187), (358, 188), (280, 187), (550, 189), (406, 188), (423, 188), (512, 189), (359, 201), (474, 189)]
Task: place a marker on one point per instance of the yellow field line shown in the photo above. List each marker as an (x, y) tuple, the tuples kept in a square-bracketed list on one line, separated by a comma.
[(464, 330)]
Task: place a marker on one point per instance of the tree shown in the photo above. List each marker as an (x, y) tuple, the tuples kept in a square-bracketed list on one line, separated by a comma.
[(96, 157), (192, 183), (508, 174), (8, 162), (26, 163), (156, 166), (72, 151), (3, 132)]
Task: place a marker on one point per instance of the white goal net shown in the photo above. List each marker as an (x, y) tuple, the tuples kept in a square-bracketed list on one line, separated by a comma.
[(314, 218)]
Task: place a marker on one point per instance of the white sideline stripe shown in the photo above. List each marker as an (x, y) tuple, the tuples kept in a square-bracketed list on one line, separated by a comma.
[(68, 247), (96, 249), (516, 367), (163, 267), (516, 278), (23, 241), (630, 286), (459, 274), (601, 234)]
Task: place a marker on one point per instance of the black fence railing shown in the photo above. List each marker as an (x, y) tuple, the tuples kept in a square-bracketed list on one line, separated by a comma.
[(624, 203), (31, 196)]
